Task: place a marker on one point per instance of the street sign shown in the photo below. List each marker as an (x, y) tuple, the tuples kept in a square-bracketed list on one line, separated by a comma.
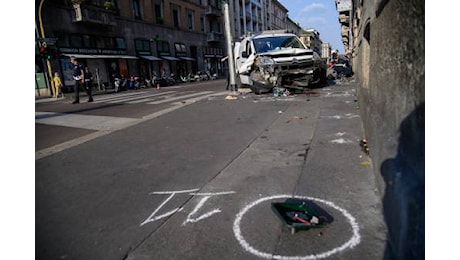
[(49, 41)]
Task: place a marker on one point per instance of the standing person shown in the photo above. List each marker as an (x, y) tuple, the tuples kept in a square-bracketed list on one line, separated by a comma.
[(78, 76), (57, 85), (89, 83), (225, 59)]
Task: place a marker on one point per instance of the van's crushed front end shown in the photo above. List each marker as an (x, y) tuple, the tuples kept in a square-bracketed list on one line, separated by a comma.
[(294, 68)]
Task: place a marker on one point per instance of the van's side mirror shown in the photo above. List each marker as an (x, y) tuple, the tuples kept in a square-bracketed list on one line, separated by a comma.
[(244, 54)]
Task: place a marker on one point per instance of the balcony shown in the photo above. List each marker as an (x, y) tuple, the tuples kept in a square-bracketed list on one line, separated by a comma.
[(345, 30), (82, 13), (213, 11), (215, 37), (344, 19)]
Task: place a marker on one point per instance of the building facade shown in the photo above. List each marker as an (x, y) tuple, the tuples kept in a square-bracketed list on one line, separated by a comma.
[(247, 16), (326, 51), (310, 37), (277, 15), (135, 37), (344, 7), (293, 26), (386, 39)]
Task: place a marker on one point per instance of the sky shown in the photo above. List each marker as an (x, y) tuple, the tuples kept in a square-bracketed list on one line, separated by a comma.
[(320, 15)]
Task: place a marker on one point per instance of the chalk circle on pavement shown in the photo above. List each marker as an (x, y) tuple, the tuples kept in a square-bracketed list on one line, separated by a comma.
[(352, 242)]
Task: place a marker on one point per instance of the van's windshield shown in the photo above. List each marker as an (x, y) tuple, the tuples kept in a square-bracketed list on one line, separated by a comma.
[(267, 44)]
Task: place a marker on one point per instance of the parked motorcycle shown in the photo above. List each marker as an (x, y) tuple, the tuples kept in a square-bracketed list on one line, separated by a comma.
[(120, 84)]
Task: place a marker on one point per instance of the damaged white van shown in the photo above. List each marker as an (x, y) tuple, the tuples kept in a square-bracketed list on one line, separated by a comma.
[(277, 59)]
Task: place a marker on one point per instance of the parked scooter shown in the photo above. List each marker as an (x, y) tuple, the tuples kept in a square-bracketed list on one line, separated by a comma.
[(189, 78), (120, 84)]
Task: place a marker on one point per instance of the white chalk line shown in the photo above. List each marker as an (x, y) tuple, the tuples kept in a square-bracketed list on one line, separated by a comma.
[(152, 219), (195, 210), (189, 218), (171, 192), (346, 116), (212, 193), (354, 240), (342, 141)]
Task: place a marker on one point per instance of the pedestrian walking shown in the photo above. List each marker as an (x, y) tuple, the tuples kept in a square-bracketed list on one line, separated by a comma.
[(57, 85), (78, 76), (88, 84), (225, 59)]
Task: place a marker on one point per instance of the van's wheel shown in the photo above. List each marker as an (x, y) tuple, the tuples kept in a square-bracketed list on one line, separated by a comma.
[(256, 90), (323, 76)]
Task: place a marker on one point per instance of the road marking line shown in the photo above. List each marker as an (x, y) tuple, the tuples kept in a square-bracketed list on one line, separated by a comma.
[(149, 97), (91, 122), (119, 96), (192, 100), (179, 97), (134, 99)]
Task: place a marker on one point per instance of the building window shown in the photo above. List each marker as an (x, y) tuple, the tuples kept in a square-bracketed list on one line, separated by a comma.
[(63, 39), (163, 48), (142, 46), (137, 9), (176, 16), (110, 42), (120, 43), (158, 10), (88, 41), (180, 47), (76, 41), (100, 43), (190, 20), (202, 24)]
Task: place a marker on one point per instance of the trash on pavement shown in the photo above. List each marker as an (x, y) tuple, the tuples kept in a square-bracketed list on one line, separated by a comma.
[(299, 215), (364, 146), (278, 92), (365, 163), (229, 97)]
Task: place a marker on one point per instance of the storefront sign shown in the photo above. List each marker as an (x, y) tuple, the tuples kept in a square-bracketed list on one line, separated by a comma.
[(91, 51)]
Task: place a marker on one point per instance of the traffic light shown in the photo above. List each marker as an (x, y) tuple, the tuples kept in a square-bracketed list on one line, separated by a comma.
[(44, 51)]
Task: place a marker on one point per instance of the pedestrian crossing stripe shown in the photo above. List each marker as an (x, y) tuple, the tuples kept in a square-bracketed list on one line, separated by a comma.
[(119, 96), (179, 97), (134, 100)]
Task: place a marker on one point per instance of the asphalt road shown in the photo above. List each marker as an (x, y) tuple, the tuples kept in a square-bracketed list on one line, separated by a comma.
[(183, 173)]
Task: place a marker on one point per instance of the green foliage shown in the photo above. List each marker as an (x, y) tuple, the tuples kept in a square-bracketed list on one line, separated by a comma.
[(108, 5)]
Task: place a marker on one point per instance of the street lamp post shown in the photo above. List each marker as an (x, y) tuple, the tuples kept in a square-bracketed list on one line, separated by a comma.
[(228, 38)]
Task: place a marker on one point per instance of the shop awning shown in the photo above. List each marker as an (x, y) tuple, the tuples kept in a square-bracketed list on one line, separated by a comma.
[(187, 58), (152, 58), (169, 58)]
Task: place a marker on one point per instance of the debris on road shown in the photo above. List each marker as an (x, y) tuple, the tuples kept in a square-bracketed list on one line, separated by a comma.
[(298, 216), (281, 92), (364, 146), (230, 97)]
